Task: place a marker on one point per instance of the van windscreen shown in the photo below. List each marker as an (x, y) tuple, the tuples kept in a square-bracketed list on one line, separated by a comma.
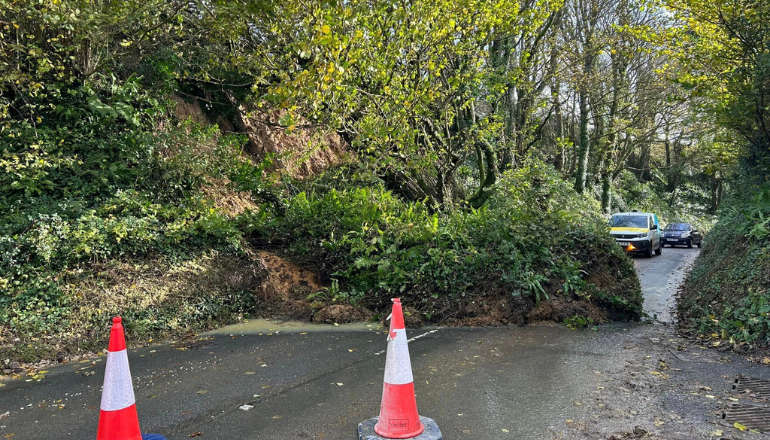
[(628, 221)]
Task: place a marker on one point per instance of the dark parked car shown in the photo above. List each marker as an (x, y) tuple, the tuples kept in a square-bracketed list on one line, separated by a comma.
[(681, 234)]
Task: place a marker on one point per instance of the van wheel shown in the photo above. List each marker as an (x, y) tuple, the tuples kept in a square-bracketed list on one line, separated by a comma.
[(659, 250)]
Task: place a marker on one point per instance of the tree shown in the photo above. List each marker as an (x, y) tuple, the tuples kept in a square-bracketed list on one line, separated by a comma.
[(724, 48), (410, 86)]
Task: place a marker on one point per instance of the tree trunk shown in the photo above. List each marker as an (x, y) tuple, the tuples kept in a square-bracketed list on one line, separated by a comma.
[(584, 151), (606, 193), (716, 194)]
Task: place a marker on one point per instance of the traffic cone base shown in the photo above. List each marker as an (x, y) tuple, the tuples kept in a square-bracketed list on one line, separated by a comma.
[(119, 424), (431, 431)]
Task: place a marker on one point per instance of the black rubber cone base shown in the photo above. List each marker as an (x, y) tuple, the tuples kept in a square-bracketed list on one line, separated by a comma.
[(366, 430)]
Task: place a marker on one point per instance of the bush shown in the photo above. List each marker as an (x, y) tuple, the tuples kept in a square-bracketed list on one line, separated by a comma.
[(99, 182), (534, 239)]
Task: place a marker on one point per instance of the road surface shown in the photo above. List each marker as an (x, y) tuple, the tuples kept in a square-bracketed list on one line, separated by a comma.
[(660, 276), (318, 382)]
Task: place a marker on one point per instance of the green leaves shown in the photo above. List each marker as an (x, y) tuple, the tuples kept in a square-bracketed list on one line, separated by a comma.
[(402, 79), (520, 244), (727, 294), (722, 47)]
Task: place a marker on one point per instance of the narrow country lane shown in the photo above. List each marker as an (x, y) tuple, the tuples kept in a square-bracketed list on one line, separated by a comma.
[(317, 382), (660, 277)]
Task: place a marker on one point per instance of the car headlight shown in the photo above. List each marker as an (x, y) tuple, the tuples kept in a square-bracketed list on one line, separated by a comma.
[(685, 234)]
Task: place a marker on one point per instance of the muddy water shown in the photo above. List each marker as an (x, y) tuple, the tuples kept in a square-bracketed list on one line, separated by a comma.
[(275, 326)]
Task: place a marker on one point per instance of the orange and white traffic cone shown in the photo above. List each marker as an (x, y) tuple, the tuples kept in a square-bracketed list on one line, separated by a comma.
[(398, 418), (398, 410), (118, 419)]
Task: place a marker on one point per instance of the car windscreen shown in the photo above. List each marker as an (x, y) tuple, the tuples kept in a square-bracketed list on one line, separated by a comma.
[(628, 221), (678, 227)]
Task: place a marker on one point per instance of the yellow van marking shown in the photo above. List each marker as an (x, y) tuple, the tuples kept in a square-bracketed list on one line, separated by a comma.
[(629, 230)]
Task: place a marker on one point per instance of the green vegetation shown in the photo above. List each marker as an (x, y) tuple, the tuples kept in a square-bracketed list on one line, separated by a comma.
[(477, 146), (534, 239), (727, 295), (90, 198)]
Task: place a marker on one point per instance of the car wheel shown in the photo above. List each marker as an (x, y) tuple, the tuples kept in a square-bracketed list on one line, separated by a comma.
[(689, 243), (659, 250), (699, 243)]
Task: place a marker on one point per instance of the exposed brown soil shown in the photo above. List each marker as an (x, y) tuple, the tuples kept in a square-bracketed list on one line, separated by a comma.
[(341, 313), (287, 289), (285, 279), (226, 199), (494, 310), (558, 310), (301, 151), (189, 110)]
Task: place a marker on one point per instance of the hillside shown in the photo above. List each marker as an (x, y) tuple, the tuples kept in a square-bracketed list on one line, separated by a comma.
[(726, 298), (186, 164)]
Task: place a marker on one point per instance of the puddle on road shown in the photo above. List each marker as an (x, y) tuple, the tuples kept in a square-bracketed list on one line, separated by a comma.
[(263, 326)]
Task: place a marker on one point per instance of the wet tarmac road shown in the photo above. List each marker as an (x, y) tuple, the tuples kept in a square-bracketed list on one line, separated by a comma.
[(478, 383), (318, 382), (660, 276)]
